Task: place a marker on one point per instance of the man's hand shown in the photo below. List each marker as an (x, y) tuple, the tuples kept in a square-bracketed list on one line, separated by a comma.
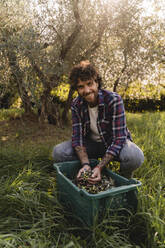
[(83, 156), (96, 175), (84, 168)]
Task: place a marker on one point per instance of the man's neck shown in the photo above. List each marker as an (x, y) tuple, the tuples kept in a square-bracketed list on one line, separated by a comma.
[(92, 105)]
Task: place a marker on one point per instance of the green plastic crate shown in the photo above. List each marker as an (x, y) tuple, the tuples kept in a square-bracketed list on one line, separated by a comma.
[(89, 207)]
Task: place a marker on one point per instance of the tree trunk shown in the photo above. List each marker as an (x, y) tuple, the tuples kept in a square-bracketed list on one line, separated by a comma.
[(17, 76), (49, 110), (122, 71), (65, 118)]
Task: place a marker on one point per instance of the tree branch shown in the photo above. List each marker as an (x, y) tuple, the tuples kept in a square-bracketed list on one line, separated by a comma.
[(39, 73), (96, 43), (55, 30), (72, 38), (122, 71)]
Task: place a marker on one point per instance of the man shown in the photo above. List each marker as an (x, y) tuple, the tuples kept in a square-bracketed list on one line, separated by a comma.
[(98, 127)]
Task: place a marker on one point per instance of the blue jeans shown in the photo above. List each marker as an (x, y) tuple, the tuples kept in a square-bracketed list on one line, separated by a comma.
[(131, 156)]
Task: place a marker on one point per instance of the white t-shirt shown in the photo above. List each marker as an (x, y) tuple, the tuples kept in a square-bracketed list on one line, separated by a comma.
[(93, 114)]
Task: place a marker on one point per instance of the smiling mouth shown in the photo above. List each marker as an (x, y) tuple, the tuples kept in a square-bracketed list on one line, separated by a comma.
[(89, 97), (88, 94)]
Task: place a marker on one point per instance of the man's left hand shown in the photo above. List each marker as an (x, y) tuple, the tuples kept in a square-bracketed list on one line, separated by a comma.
[(96, 175)]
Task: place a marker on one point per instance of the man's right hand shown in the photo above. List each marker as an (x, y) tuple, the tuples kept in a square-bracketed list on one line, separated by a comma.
[(84, 168)]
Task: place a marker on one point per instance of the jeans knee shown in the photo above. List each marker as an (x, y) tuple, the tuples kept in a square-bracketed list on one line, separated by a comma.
[(64, 152), (136, 161), (141, 159), (56, 154), (132, 160)]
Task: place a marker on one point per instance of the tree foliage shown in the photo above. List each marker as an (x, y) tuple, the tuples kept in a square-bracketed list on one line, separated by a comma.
[(133, 46), (41, 40)]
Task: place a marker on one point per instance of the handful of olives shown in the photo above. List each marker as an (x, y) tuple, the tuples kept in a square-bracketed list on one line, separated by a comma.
[(104, 184)]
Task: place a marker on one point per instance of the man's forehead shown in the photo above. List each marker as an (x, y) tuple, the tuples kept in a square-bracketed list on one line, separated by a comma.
[(85, 81)]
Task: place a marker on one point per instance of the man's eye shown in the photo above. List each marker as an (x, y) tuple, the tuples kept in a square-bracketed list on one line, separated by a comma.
[(90, 83), (79, 87)]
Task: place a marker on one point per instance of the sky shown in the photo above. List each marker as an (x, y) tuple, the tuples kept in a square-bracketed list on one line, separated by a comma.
[(150, 7), (153, 7)]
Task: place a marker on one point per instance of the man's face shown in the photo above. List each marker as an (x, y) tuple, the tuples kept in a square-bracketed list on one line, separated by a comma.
[(89, 91)]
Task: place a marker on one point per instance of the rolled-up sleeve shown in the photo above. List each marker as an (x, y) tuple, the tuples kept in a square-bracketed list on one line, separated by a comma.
[(77, 139), (119, 129)]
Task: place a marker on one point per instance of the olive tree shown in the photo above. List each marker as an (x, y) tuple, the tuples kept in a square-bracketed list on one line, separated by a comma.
[(41, 40), (42, 45), (68, 32), (12, 78), (132, 47)]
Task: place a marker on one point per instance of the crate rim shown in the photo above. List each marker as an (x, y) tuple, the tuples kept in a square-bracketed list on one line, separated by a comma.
[(113, 191)]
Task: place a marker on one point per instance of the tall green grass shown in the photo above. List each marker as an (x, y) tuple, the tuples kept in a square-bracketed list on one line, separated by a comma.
[(32, 217), (149, 132)]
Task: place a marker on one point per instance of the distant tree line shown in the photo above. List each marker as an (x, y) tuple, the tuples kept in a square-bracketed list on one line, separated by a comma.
[(147, 104)]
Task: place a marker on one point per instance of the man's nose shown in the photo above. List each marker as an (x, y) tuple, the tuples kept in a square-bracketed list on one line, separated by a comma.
[(86, 89)]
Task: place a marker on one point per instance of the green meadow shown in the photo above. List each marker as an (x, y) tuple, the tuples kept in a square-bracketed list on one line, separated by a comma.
[(32, 217)]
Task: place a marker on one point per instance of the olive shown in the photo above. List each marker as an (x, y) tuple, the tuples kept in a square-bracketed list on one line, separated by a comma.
[(104, 184)]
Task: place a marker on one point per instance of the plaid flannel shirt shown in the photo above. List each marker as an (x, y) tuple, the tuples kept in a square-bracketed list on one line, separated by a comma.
[(111, 122)]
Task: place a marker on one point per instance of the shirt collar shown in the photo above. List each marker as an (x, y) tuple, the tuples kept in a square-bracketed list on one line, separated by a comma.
[(101, 98)]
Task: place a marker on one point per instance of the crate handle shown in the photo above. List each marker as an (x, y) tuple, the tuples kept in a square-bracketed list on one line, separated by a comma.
[(123, 188)]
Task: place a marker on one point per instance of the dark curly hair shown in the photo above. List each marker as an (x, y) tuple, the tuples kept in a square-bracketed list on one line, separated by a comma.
[(84, 71)]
